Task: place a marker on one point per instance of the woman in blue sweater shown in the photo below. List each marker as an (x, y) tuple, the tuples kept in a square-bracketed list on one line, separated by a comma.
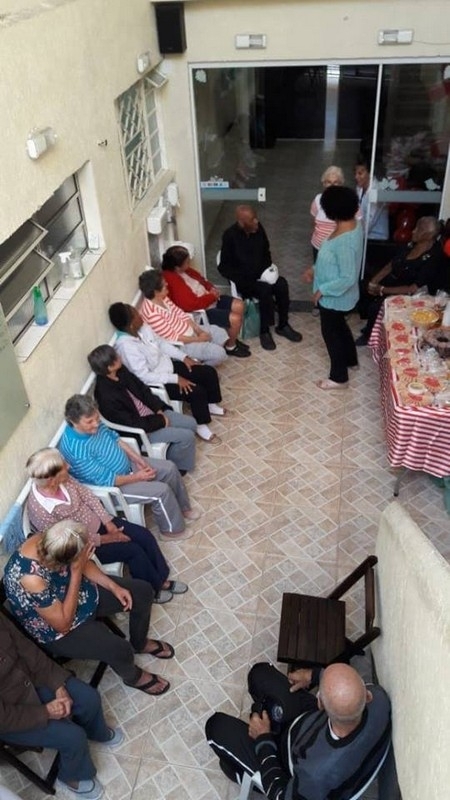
[(336, 276)]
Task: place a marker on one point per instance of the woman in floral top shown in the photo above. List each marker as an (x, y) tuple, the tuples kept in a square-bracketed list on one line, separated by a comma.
[(57, 592)]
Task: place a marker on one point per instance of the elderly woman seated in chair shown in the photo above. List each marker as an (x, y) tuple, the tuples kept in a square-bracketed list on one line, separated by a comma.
[(59, 596), (124, 399), (169, 322), (417, 264), (153, 360), (44, 705), (56, 496), (190, 291)]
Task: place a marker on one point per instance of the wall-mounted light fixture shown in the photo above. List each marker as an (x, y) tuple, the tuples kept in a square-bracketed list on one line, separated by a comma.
[(250, 41), (396, 36), (39, 141), (143, 62)]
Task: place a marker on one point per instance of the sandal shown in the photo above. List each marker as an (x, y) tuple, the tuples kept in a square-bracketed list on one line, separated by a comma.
[(329, 384), (177, 587), (154, 679), (159, 651)]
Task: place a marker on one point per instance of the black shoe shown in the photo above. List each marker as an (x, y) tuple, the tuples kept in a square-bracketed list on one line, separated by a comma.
[(267, 342), (237, 351), (242, 344), (289, 333), (361, 341)]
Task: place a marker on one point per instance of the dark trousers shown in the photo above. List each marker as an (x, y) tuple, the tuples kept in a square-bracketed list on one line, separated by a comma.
[(339, 343), (229, 737), (269, 296), (69, 736), (141, 554), (94, 641), (207, 389)]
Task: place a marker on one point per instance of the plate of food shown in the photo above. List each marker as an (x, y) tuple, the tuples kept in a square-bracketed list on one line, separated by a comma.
[(424, 317)]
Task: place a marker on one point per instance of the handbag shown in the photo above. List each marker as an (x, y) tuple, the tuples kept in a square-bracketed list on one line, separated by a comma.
[(251, 323), (270, 275)]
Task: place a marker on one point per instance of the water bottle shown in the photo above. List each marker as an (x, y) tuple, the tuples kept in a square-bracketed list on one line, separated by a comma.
[(67, 281), (76, 265), (40, 311)]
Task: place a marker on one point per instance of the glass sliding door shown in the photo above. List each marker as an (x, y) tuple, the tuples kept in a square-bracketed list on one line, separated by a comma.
[(266, 134), (410, 147)]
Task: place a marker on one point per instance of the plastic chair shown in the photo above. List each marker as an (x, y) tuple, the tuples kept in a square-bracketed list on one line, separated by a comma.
[(160, 390), (156, 450), (250, 782)]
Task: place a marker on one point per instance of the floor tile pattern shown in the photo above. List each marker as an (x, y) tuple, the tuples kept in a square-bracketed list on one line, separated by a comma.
[(290, 501)]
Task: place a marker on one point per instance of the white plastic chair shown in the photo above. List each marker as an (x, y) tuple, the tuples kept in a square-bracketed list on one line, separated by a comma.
[(160, 390), (156, 450), (114, 499), (254, 781)]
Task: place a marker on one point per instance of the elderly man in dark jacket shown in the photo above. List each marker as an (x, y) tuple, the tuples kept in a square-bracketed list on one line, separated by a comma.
[(42, 705)]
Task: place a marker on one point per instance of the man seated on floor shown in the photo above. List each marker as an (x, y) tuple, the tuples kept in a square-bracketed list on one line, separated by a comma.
[(305, 747), (43, 705), (244, 258)]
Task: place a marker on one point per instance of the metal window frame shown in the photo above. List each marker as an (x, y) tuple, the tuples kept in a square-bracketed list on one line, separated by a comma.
[(51, 262)]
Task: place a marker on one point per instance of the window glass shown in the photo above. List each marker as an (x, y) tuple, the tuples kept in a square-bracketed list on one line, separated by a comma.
[(140, 138), (30, 256)]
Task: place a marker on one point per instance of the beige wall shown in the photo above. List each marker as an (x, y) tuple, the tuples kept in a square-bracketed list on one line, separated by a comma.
[(64, 68), (413, 653)]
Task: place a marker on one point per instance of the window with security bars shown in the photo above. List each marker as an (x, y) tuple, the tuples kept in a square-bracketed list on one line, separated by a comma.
[(140, 138), (30, 256)]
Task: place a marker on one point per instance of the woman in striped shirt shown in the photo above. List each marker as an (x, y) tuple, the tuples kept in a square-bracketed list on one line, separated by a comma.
[(170, 322)]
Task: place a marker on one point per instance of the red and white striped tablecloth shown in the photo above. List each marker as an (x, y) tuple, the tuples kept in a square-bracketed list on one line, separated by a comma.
[(417, 437)]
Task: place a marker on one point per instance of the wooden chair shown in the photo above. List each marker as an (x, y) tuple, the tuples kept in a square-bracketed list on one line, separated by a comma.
[(312, 629)]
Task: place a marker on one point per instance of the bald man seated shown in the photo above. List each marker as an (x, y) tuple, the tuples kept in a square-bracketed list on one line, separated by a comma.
[(305, 747), (244, 257)]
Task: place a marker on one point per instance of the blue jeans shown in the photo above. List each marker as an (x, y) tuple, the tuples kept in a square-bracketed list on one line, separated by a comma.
[(69, 736)]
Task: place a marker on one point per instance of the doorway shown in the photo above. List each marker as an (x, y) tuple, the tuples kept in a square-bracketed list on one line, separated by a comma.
[(278, 128)]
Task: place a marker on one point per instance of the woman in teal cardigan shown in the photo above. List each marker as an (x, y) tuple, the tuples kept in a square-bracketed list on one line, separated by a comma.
[(336, 277)]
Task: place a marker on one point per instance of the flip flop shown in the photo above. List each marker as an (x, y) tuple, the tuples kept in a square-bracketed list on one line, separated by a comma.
[(328, 384), (152, 682), (158, 652), (177, 587)]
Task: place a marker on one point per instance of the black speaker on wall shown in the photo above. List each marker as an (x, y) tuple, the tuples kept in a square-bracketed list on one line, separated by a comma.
[(170, 27)]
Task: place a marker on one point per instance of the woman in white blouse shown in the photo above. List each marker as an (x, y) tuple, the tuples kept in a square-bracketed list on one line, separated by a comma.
[(154, 360)]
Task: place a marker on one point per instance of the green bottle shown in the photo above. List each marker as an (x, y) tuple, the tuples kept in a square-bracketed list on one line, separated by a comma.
[(40, 311)]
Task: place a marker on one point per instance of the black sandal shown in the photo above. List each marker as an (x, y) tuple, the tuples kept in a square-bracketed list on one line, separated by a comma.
[(152, 682), (158, 652)]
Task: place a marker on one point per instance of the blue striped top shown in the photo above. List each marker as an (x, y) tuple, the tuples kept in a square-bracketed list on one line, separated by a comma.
[(94, 457)]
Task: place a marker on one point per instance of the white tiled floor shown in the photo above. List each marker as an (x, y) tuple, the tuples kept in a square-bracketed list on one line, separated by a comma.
[(290, 501)]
